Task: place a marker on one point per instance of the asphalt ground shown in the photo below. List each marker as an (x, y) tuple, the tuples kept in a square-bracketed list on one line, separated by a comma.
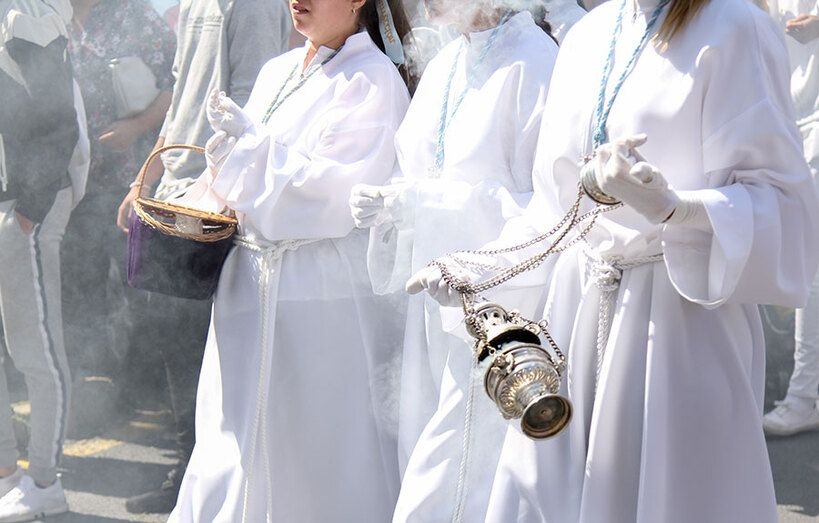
[(130, 455), (118, 451), (100, 473)]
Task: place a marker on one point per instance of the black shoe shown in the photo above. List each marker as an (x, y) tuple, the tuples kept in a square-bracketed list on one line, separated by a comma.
[(160, 501)]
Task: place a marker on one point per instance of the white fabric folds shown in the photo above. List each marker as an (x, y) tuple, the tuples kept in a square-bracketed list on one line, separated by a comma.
[(293, 408), (672, 430), (486, 179)]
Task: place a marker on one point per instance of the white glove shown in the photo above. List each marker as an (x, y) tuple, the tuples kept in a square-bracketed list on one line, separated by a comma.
[(217, 150), (691, 212), (637, 184), (431, 280), (373, 205), (622, 172), (225, 115)]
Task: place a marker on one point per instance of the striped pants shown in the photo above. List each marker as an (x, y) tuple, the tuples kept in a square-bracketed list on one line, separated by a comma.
[(32, 322)]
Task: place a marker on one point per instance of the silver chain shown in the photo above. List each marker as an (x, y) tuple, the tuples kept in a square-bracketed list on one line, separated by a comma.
[(470, 291)]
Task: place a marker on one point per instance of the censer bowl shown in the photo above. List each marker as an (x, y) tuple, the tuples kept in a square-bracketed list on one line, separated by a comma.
[(546, 416), (520, 376), (524, 384)]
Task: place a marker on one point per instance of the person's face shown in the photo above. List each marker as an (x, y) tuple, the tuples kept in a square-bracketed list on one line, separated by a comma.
[(446, 11), (325, 21), (460, 13)]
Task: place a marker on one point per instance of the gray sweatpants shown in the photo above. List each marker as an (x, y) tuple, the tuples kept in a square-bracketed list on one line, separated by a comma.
[(32, 321)]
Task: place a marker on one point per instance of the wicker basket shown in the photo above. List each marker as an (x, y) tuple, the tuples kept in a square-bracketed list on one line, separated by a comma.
[(174, 249)]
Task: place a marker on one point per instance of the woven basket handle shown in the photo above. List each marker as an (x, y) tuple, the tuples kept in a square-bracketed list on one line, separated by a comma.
[(140, 181)]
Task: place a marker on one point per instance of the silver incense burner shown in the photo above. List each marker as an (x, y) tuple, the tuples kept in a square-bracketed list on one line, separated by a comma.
[(588, 180), (521, 376)]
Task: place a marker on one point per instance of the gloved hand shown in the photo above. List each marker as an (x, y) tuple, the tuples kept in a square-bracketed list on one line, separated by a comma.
[(621, 172), (224, 115), (431, 280), (373, 205), (217, 150)]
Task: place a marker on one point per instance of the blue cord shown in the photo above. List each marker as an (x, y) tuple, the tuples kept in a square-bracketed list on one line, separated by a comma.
[(279, 99), (603, 109), (446, 117)]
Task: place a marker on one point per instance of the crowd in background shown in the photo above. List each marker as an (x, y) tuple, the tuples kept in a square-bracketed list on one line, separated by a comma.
[(146, 342)]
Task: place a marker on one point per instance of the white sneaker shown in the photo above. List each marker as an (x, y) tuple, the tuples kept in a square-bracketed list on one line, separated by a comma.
[(786, 420), (27, 501), (9, 482)]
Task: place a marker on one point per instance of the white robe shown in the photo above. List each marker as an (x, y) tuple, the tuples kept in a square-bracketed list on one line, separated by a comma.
[(804, 59), (673, 431), (287, 423), (485, 180), (562, 15)]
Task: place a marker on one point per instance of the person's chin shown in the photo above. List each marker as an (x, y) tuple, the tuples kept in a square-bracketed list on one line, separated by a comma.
[(301, 18), (302, 25)]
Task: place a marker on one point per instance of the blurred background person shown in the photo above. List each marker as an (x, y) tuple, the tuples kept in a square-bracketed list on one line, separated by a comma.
[(42, 175), (797, 412), (96, 311), (221, 46), (169, 10)]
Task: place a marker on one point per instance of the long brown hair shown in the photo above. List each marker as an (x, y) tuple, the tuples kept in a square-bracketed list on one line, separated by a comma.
[(679, 15), (369, 21)]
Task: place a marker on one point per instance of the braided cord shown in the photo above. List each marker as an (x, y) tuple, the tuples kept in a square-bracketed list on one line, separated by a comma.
[(604, 107), (279, 99), (573, 218), (447, 116)]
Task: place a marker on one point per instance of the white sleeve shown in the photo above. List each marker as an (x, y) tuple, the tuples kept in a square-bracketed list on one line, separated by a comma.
[(287, 193), (437, 216), (761, 199), (34, 22)]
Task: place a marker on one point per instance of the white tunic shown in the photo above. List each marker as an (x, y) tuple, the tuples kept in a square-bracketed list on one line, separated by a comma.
[(287, 425), (672, 431), (485, 180)]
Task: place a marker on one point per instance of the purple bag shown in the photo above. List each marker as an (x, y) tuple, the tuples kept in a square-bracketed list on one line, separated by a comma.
[(172, 265), (177, 261)]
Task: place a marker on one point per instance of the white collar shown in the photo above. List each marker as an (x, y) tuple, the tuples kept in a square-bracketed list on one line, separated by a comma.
[(353, 42), (479, 38)]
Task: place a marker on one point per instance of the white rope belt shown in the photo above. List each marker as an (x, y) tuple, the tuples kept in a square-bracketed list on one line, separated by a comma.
[(607, 275), (269, 252)]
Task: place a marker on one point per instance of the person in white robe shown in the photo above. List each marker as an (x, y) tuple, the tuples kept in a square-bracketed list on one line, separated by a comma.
[(719, 214), (287, 425), (465, 151), (799, 19)]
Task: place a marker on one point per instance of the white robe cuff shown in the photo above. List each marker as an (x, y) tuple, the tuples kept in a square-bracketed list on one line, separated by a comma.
[(705, 267)]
